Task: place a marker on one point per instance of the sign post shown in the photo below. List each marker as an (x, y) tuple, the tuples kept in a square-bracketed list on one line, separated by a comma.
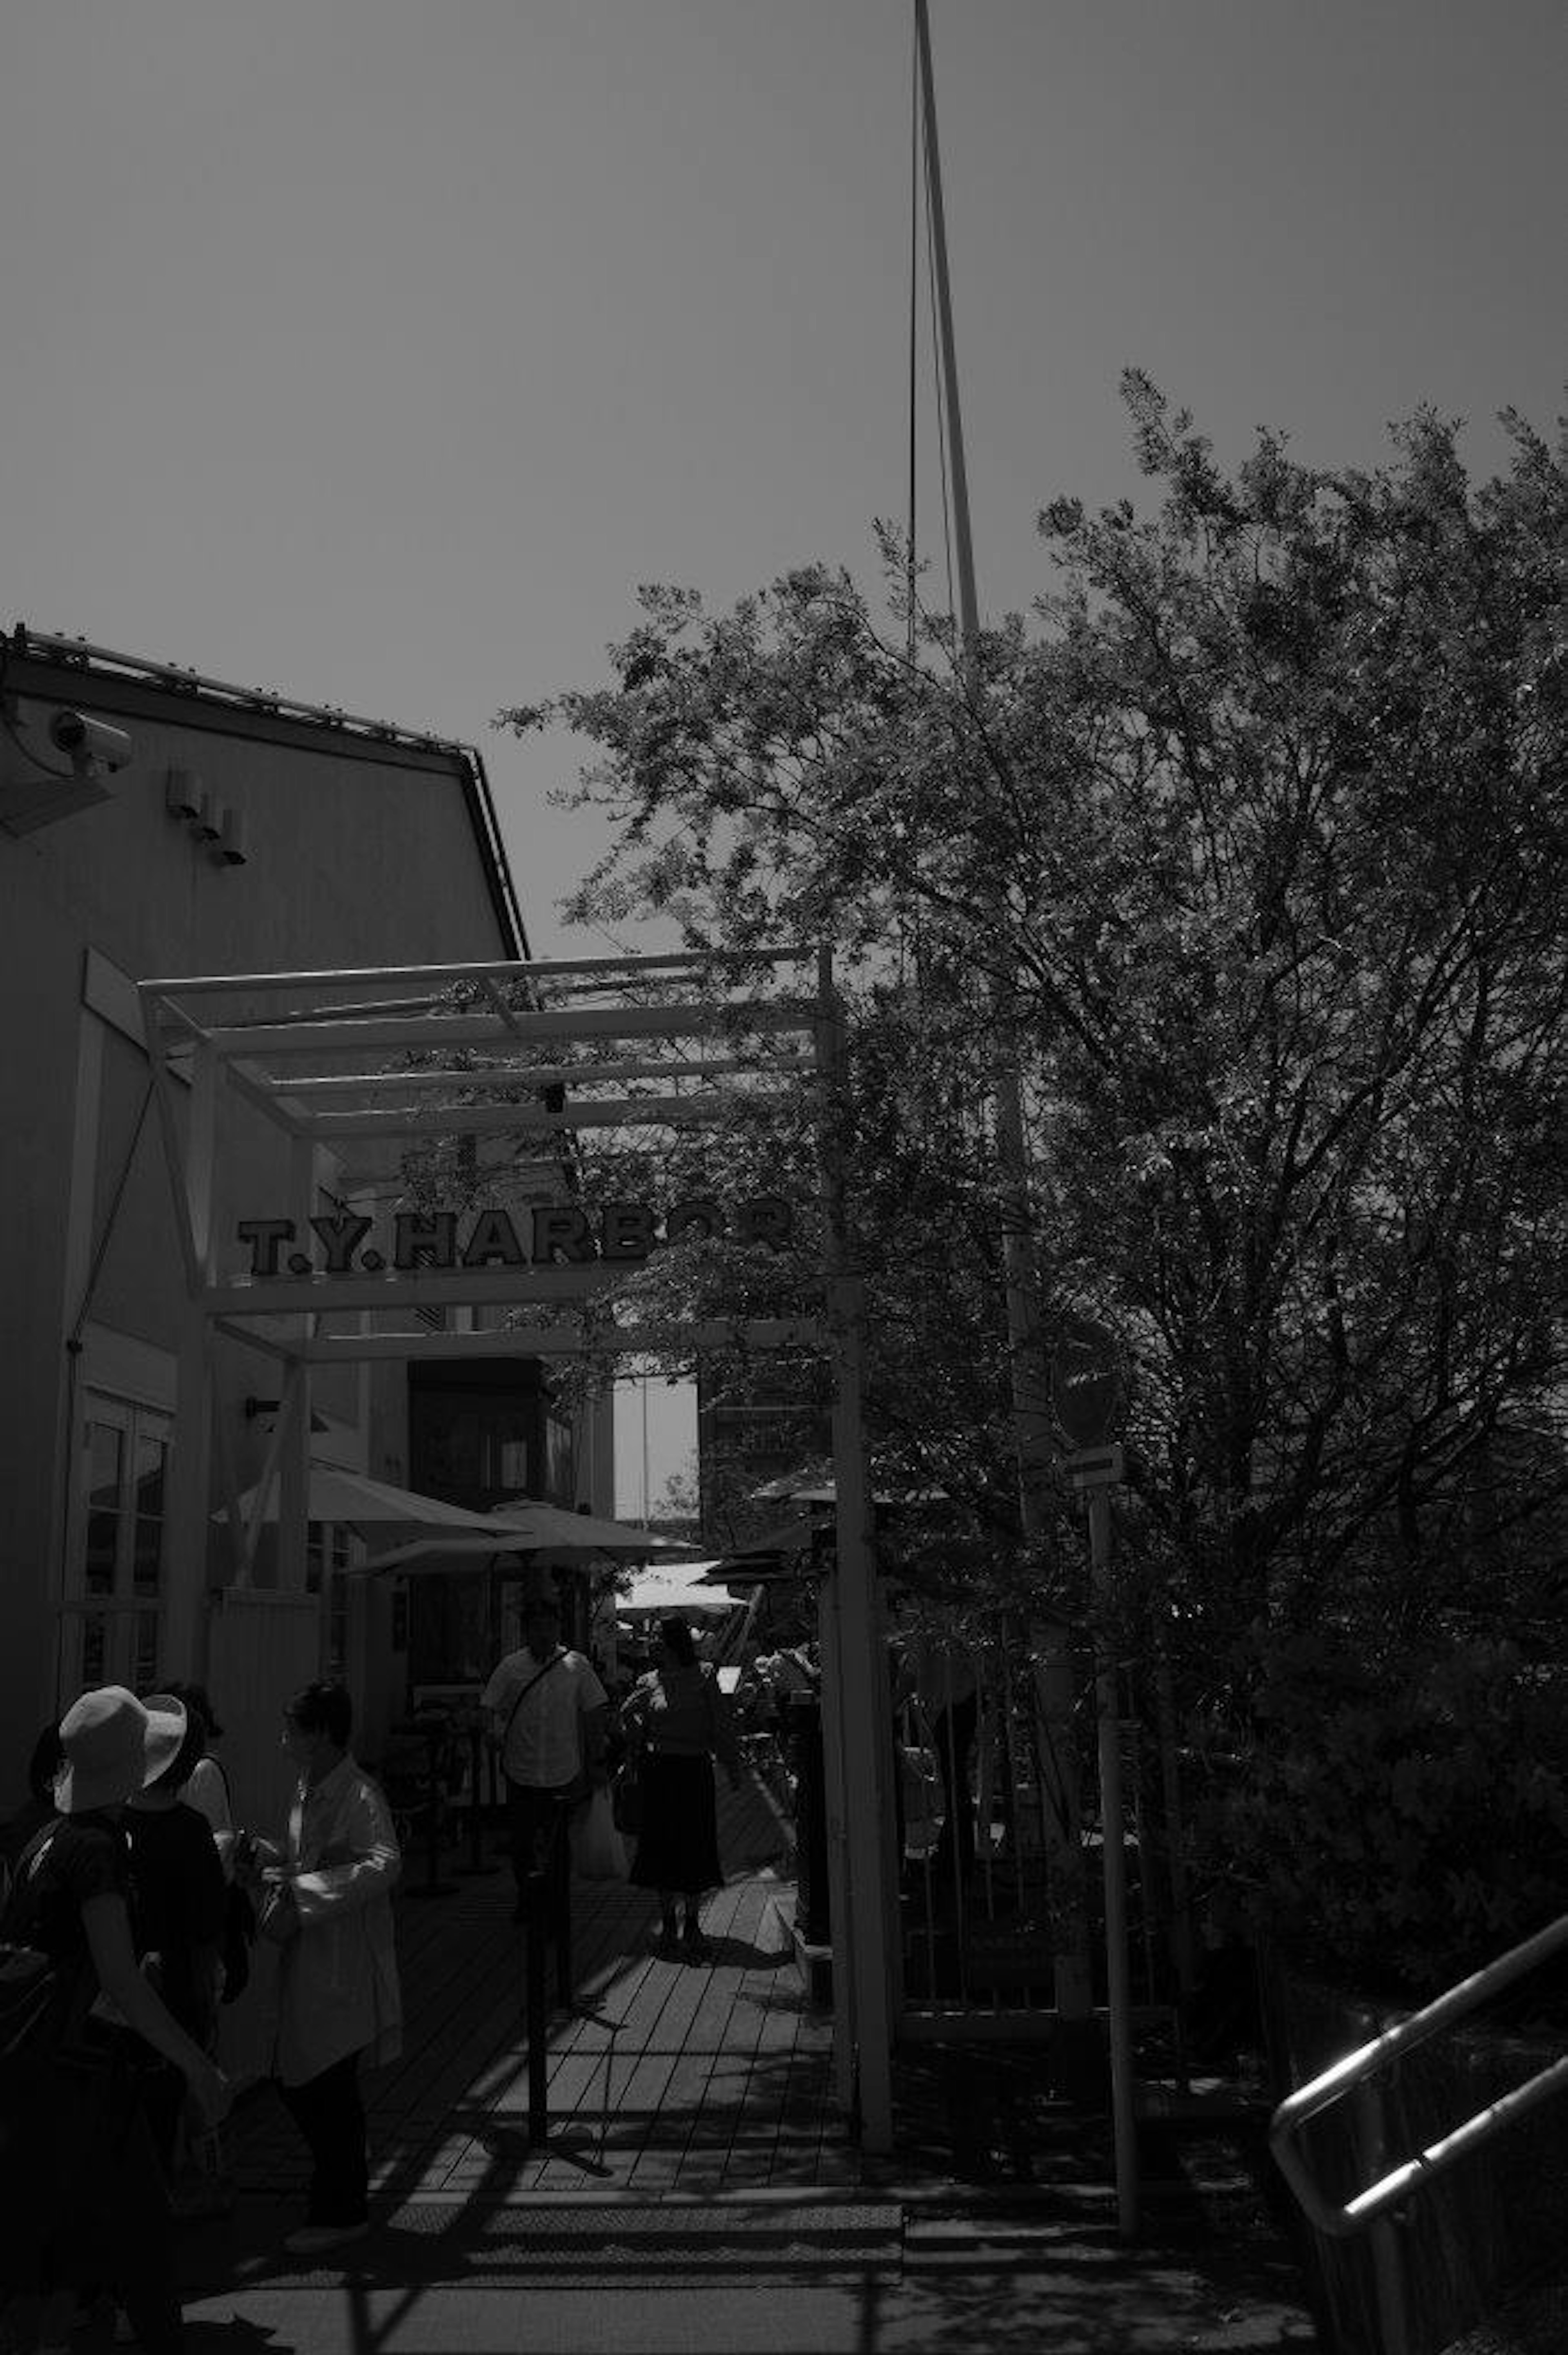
[(1086, 1390)]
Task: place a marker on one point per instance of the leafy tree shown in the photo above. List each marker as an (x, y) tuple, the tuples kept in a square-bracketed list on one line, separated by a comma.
[(675, 1506), (1246, 852), (1364, 1841)]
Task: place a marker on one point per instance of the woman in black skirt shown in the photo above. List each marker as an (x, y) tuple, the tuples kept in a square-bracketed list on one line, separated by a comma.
[(676, 1721)]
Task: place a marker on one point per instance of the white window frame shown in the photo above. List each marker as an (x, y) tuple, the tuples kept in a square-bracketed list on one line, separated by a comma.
[(128, 1623)]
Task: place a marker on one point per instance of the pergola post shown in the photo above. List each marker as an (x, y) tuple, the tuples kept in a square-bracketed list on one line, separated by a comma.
[(294, 1463), (183, 1642), (867, 1954)]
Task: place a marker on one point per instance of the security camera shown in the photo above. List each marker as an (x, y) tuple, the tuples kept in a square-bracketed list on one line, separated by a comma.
[(91, 743)]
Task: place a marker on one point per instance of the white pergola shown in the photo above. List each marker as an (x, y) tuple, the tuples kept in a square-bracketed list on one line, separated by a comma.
[(356, 1069)]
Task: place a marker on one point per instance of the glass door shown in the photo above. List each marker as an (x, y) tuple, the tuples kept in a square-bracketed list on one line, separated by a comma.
[(116, 1583)]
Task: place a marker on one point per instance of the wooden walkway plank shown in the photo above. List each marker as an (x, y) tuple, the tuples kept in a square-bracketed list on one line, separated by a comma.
[(719, 2075), (641, 2085)]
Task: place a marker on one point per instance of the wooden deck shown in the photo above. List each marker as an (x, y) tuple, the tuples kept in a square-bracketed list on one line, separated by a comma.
[(665, 2077)]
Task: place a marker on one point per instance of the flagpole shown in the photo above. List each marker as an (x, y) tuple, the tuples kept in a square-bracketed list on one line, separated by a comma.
[(1029, 1388)]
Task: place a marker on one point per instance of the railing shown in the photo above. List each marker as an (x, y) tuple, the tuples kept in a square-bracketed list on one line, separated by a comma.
[(984, 1805), (1391, 2191)]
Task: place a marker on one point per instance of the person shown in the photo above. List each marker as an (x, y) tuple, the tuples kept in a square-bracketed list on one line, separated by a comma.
[(206, 1790), (676, 1721), (80, 2193), (177, 1902), (206, 1784), (326, 1900), (548, 1714)]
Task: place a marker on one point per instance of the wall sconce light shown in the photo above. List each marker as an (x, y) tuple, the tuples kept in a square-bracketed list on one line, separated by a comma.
[(228, 849), (191, 803), (184, 794)]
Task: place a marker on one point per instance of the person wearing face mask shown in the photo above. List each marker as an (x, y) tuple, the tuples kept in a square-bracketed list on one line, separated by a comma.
[(325, 1899)]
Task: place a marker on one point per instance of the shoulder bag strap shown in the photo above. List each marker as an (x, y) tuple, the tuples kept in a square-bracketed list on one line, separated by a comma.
[(538, 1676), (17, 1908)]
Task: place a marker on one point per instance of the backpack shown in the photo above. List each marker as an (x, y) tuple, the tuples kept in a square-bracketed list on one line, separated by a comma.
[(29, 1985), (33, 1993)]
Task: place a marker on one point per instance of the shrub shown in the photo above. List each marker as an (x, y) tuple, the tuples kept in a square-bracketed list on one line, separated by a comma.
[(1393, 1829)]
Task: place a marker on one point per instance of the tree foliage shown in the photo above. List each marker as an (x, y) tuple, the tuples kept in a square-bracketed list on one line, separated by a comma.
[(1363, 1840), (1246, 851)]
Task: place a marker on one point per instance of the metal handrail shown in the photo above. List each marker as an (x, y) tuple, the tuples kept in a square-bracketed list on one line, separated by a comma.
[(1392, 2189)]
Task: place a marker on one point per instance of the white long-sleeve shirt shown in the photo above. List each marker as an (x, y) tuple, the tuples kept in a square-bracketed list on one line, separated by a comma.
[(338, 1991)]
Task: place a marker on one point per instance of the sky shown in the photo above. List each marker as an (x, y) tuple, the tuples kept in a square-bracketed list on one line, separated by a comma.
[(375, 351)]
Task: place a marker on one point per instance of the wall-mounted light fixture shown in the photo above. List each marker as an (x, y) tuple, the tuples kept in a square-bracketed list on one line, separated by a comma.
[(190, 802), (228, 850), (183, 793)]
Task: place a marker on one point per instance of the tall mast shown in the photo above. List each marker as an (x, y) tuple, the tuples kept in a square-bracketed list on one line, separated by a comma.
[(1031, 1423), (1028, 1384), (968, 611)]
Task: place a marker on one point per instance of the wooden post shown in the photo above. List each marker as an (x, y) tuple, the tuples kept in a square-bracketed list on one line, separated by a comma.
[(294, 1473), (1113, 1858), (833, 1794), (182, 1644), (867, 1957)]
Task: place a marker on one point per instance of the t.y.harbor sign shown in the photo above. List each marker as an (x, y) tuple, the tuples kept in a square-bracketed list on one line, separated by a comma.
[(548, 1236)]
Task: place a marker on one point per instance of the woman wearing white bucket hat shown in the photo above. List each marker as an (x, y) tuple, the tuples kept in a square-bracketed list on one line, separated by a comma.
[(79, 2189)]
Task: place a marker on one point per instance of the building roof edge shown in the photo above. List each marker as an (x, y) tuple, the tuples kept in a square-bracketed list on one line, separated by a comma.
[(177, 678)]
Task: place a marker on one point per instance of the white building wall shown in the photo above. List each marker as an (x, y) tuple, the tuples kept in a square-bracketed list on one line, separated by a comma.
[(356, 853)]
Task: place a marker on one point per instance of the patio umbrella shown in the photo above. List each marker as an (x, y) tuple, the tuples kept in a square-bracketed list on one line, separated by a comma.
[(799, 1489), (334, 1494), (545, 1530), (784, 1537), (672, 1588), (552, 1528), (795, 1489)]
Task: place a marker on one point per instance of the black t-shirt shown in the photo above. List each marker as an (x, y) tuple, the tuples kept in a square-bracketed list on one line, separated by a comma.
[(77, 1859), (177, 1900)]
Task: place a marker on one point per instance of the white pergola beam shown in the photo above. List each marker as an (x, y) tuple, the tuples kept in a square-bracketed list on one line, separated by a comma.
[(269, 1101), (503, 1120), (285, 1352), (760, 1333), (510, 1075), (479, 1287), (436, 976), (394, 1033)]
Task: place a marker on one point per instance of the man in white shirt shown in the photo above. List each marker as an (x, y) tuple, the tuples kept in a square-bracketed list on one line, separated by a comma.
[(548, 1714)]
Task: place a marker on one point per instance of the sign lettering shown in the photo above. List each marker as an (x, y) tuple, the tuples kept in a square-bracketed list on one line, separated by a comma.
[(626, 1232)]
